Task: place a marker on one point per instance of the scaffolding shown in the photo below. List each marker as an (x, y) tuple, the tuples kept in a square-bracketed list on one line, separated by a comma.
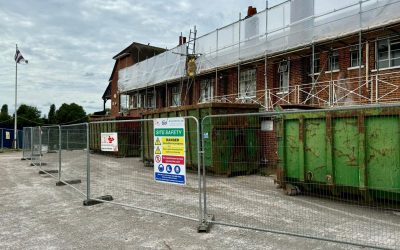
[(290, 25)]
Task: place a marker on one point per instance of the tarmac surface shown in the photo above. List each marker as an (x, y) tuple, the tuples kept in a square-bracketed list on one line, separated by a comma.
[(37, 214)]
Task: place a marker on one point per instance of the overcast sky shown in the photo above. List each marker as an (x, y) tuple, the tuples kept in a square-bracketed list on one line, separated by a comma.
[(70, 44)]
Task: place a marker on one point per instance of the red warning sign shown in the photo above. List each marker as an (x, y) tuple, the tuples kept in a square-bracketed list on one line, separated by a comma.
[(158, 158), (173, 159)]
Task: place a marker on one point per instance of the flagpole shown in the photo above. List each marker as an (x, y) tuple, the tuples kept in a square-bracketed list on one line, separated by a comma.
[(15, 114)]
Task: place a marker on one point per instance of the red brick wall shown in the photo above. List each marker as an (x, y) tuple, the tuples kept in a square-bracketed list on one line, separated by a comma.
[(121, 63)]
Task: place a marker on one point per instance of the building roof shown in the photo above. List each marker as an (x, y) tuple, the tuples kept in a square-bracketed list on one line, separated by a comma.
[(139, 51), (107, 93)]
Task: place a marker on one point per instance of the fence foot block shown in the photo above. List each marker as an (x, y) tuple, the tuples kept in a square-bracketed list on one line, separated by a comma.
[(205, 225), (91, 202), (39, 164), (27, 158), (52, 171), (63, 183)]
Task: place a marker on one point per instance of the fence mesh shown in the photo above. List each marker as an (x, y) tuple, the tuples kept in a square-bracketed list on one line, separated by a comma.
[(323, 174), (50, 150), (74, 156), (338, 174), (27, 143), (36, 155), (128, 174)]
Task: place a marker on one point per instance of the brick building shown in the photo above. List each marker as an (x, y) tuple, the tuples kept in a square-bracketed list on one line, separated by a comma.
[(293, 54), (134, 53)]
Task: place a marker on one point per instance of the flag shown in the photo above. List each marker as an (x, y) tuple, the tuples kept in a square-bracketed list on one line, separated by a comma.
[(19, 58)]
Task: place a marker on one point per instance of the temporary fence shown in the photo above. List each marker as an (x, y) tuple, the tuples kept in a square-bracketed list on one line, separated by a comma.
[(36, 155), (337, 170), (50, 153), (27, 143), (131, 183), (346, 162), (74, 155)]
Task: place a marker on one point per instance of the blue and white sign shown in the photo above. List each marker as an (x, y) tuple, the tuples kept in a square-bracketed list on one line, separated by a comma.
[(169, 150)]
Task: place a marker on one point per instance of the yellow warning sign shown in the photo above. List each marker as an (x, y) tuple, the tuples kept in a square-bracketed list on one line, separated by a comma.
[(158, 142), (174, 150), (158, 151), (178, 141)]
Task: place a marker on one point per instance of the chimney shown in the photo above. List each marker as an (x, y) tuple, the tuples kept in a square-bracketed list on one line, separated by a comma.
[(182, 40), (251, 11)]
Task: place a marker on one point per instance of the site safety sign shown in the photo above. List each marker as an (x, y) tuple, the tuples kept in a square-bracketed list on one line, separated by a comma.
[(169, 150), (109, 142)]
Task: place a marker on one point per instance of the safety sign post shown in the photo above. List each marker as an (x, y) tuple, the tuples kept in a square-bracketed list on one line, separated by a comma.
[(169, 150)]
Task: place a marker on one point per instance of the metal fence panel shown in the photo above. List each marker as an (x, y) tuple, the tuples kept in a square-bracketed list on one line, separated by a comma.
[(27, 143), (338, 171), (36, 155), (128, 175), (74, 156), (50, 143)]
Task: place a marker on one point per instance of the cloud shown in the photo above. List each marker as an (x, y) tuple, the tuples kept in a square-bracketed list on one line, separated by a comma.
[(70, 44)]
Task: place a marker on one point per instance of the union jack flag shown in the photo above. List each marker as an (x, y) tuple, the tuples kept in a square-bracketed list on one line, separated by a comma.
[(19, 58)]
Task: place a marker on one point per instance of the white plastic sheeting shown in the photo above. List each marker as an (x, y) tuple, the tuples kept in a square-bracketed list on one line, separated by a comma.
[(270, 31)]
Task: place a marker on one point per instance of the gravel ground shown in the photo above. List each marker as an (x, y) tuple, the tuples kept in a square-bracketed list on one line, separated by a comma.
[(36, 214)]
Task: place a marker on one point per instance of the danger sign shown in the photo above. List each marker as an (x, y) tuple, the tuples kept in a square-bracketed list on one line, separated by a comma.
[(109, 142), (169, 150)]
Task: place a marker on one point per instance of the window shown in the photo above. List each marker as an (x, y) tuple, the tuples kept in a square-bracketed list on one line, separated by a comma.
[(316, 63), (388, 53), (283, 71), (176, 96), (151, 99), (135, 101), (354, 56), (247, 84), (333, 61), (123, 103), (206, 90)]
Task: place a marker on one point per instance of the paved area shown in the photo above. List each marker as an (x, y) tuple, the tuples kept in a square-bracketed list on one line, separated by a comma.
[(35, 214)]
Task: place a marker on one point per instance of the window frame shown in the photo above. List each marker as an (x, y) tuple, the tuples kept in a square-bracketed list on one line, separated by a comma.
[(333, 57), (248, 83), (175, 96), (151, 99), (123, 108), (390, 42), (317, 64), (354, 50), (206, 90), (283, 78)]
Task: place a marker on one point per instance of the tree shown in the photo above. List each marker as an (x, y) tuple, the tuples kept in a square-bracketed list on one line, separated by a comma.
[(70, 113), (4, 116), (52, 115), (28, 116)]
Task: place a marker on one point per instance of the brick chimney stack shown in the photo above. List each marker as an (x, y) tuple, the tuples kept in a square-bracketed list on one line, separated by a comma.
[(182, 40), (251, 11)]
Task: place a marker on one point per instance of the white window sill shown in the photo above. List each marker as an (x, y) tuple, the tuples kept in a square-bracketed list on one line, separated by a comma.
[(315, 74), (282, 92), (355, 67), (388, 68), (332, 71)]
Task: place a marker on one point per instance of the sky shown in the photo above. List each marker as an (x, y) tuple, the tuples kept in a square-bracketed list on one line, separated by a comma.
[(70, 44)]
